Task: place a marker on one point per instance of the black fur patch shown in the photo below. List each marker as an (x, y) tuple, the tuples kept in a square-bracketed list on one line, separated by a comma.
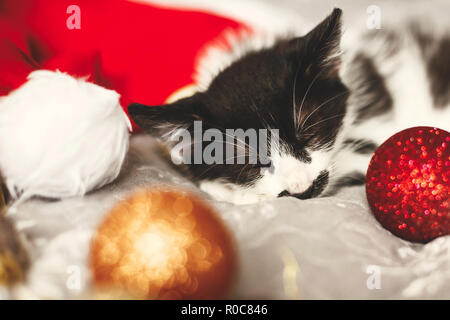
[(361, 146), (352, 179), (436, 54), (369, 89), (438, 67)]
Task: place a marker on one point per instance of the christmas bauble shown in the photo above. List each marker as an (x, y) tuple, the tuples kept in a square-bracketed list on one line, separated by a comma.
[(162, 244), (407, 184)]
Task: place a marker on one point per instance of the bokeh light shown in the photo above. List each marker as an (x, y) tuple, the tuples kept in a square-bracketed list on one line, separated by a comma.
[(162, 244)]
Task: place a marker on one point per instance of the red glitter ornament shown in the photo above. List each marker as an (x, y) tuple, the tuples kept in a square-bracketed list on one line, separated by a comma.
[(407, 184)]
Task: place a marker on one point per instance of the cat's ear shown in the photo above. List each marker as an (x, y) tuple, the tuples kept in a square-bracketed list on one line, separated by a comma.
[(322, 44), (160, 120)]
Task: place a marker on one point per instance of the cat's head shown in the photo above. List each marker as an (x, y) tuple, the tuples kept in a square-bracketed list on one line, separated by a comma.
[(293, 86)]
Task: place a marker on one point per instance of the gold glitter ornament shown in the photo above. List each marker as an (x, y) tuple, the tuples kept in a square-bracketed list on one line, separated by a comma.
[(162, 244)]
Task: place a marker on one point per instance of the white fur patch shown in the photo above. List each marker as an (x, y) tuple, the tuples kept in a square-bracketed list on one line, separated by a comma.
[(289, 174), (293, 175), (60, 136)]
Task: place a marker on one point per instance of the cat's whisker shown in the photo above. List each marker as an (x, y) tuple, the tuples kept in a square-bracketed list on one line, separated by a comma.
[(223, 131), (255, 109), (242, 144), (294, 96), (273, 119), (245, 144), (212, 166), (321, 105), (304, 97), (241, 171), (225, 142), (326, 119)]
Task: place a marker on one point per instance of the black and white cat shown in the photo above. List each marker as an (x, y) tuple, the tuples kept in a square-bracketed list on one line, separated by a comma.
[(332, 106)]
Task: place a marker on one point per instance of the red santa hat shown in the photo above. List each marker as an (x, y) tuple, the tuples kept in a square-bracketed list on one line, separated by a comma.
[(63, 80)]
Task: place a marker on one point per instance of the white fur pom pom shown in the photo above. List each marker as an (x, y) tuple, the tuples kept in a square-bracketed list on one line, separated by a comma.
[(60, 136)]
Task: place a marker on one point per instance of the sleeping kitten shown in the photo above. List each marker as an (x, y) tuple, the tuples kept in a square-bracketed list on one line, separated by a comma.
[(331, 112)]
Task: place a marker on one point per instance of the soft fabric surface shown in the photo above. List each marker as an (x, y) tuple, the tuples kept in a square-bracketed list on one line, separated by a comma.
[(288, 248)]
